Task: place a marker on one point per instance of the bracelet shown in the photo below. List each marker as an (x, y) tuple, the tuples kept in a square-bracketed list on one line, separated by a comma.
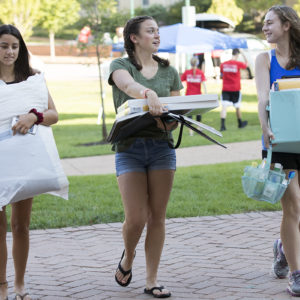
[(40, 116)]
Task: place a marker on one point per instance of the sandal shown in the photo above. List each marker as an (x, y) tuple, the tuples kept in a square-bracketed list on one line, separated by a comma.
[(159, 288), (124, 273), (20, 296), (4, 283)]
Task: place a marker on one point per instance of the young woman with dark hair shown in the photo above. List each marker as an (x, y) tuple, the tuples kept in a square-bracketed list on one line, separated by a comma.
[(145, 165), (15, 68), (282, 27)]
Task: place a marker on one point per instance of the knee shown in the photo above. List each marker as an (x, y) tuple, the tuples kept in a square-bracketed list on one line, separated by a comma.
[(3, 230), (136, 223), (156, 219), (292, 207), (19, 229)]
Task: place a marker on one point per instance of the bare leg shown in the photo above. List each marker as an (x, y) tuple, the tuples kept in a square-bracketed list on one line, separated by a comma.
[(290, 234), (20, 221), (238, 113), (3, 254), (223, 112), (134, 192), (160, 184)]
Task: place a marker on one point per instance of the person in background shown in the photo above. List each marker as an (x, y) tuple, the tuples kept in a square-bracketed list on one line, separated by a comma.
[(84, 39), (201, 61), (145, 164), (15, 68), (194, 79), (231, 89), (282, 28), (216, 60)]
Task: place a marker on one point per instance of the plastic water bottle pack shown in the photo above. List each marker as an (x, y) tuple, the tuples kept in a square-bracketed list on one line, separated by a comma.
[(262, 184)]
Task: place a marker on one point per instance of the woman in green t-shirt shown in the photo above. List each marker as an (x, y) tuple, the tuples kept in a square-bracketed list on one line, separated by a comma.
[(145, 164)]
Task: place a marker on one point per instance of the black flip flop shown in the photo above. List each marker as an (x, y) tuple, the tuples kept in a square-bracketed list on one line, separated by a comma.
[(159, 288), (124, 273)]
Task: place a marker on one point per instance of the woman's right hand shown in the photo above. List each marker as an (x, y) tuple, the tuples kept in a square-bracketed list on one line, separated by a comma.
[(155, 106), (268, 135)]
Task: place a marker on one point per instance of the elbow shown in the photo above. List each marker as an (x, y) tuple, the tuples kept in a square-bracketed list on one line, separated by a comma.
[(55, 118), (126, 89)]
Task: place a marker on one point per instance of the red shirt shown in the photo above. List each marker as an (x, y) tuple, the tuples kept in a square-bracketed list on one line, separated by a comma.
[(230, 71), (193, 82), (84, 34)]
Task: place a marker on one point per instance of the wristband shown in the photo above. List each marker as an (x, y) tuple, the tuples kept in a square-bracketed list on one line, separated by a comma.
[(144, 93), (40, 116)]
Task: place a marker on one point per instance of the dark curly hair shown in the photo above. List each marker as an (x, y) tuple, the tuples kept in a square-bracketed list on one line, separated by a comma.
[(22, 67), (287, 14), (133, 27)]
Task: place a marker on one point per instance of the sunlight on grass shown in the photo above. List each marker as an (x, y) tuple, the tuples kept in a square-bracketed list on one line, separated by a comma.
[(84, 121), (80, 97), (78, 104), (96, 199)]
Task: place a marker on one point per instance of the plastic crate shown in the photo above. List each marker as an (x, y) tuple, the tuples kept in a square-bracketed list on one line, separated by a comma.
[(284, 112)]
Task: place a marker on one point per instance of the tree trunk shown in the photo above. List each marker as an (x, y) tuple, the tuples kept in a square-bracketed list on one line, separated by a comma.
[(52, 45), (104, 130)]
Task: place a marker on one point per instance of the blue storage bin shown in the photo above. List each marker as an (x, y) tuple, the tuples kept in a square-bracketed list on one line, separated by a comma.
[(284, 114)]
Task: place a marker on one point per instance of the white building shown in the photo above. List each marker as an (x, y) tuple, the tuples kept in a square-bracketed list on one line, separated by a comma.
[(125, 4)]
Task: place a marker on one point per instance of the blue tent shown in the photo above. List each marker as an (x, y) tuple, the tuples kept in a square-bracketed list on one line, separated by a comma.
[(179, 38)]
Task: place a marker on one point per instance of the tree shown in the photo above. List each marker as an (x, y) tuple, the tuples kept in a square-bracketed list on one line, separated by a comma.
[(228, 9), (157, 11), (254, 13), (55, 15), (109, 23), (175, 14), (94, 11), (23, 14), (297, 7)]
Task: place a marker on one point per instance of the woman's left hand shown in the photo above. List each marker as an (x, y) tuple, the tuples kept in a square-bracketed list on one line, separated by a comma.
[(24, 123)]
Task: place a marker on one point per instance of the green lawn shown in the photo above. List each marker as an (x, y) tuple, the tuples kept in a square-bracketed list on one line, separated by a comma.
[(78, 104), (198, 191)]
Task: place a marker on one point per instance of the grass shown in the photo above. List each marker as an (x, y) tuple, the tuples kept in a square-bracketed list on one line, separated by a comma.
[(197, 191), (78, 104)]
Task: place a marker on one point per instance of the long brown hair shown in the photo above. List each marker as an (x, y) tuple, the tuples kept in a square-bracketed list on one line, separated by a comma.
[(287, 14), (133, 27), (22, 67)]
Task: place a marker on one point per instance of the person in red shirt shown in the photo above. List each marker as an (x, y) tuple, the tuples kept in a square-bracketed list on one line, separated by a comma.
[(194, 79), (84, 38), (231, 94)]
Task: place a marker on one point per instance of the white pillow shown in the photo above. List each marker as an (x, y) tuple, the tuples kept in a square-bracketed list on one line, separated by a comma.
[(29, 166)]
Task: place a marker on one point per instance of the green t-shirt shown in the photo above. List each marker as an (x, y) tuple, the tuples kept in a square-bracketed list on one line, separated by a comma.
[(163, 82)]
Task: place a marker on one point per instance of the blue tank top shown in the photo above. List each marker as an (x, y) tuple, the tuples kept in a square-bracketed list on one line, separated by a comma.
[(276, 71)]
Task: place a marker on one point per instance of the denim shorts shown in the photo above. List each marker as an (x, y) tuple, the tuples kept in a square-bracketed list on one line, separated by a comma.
[(144, 155)]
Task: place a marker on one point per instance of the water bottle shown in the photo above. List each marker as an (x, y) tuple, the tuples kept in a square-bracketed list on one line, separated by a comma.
[(275, 175)]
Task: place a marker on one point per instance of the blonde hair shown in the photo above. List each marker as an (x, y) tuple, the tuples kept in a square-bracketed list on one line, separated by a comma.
[(194, 61)]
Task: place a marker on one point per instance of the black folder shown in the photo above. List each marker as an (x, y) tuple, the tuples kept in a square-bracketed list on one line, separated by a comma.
[(128, 127)]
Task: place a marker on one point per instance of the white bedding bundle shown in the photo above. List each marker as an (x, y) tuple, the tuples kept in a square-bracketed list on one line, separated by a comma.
[(29, 164)]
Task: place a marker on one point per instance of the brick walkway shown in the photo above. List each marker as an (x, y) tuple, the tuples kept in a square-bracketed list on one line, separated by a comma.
[(225, 257)]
